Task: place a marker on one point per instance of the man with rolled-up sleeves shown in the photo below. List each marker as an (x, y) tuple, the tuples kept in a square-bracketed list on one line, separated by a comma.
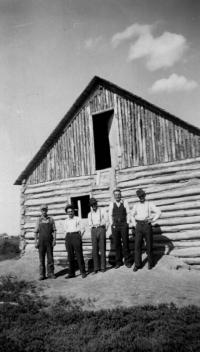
[(144, 215), (97, 224), (73, 242)]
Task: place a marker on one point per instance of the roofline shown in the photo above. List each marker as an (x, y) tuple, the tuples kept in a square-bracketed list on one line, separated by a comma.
[(67, 117)]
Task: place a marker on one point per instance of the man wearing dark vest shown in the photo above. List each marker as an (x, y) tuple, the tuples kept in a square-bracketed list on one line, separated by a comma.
[(45, 240), (119, 221)]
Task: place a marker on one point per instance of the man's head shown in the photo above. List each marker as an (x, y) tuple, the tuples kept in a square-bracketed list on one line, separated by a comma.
[(44, 209), (141, 195), (117, 194), (69, 210), (93, 203)]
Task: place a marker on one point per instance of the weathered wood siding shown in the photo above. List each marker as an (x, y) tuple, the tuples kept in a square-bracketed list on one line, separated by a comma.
[(142, 137), (173, 186)]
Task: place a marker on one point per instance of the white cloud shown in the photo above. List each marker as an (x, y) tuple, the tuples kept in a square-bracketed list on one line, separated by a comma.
[(92, 43), (159, 52), (173, 84), (129, 32)]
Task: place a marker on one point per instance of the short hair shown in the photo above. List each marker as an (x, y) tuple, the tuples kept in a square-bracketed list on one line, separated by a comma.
[(69, 206), (117, 190), (93, 201), (140, 193), (44, 206)]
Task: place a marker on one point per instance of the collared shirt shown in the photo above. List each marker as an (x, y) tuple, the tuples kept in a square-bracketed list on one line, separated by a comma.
[(72, 225), (45, 220), (96, 218), (110, 211), (145, 211)]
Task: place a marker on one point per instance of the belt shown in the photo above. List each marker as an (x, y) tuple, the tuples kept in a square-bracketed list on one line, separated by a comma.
[(72, 233), (143, 222), (96, 227)]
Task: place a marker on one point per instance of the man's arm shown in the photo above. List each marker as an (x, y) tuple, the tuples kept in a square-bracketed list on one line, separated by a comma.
[(90, 220), (128, 217), (156, 211), (133, 213), (36, 231), (110, 211), (54, 232)]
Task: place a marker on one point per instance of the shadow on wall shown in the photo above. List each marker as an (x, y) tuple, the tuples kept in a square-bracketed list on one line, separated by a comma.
[(161, 246)]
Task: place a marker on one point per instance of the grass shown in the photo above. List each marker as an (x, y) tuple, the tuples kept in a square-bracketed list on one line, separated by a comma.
[(30, 325), (9, 247)]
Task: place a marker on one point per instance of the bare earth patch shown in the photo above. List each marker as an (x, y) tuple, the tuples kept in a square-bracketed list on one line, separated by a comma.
[(121, 287)]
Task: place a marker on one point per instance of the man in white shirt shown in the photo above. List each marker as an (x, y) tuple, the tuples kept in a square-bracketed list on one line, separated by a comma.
[(73, 242), (97, 224), (144, 214), (119, 217)]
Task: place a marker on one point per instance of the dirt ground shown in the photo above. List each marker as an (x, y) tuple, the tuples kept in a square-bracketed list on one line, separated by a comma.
[(167, 282)]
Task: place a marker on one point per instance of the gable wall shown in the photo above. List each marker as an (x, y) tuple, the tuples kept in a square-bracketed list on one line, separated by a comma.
[(141, 137)]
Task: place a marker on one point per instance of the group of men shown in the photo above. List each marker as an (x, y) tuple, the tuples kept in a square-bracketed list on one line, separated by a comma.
[(143, 215)]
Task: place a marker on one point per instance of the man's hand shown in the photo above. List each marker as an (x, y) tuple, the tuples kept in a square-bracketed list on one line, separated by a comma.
[(54, 242), (36, 244)]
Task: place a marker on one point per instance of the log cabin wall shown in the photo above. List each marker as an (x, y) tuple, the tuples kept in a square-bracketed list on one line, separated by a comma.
[(173, 186), (144, 137)]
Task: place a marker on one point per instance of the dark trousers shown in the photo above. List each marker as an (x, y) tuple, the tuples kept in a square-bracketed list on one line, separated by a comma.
[(121, 243), (98, 235), (73, 244), (46, 249), (143, 230)]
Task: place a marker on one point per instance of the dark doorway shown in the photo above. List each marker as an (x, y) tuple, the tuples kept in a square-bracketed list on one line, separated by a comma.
[(81, 206), (101, 139)]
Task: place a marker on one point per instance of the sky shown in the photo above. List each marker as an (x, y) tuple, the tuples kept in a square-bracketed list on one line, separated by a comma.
[(50, 50)]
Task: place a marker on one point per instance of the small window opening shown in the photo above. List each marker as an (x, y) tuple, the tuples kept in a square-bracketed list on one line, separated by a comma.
[(81, 206)]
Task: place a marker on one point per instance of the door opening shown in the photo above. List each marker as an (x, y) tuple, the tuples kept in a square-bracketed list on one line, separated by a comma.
[(101, 124), (81, 206)]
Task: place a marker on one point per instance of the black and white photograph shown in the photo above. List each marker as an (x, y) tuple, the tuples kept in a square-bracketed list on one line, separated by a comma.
[(99, 176)]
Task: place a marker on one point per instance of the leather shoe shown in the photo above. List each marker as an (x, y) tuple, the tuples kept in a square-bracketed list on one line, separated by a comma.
[(83, 275), (117, 266), (52, 276), (94, 272), (128, 265), (135, 268), (70, 276), (150, 266), (42, 278), (103, 270)]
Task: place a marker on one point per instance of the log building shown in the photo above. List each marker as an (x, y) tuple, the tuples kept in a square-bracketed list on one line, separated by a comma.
[(111, 137)]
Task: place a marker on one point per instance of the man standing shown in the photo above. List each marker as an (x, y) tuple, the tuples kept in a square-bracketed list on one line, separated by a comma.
[(142, 219), (45, 240), (97, 223), (73, 242), (119, 220)]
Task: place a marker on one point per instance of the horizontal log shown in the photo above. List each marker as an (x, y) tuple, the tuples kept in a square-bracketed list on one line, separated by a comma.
[(180, 192), (192, 261), (187, 244), (186, 252), (178, 220), (159, 180), (150, 168), (167, 170), (177, 236), (59, 183), (187, 205), (180, 213)]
